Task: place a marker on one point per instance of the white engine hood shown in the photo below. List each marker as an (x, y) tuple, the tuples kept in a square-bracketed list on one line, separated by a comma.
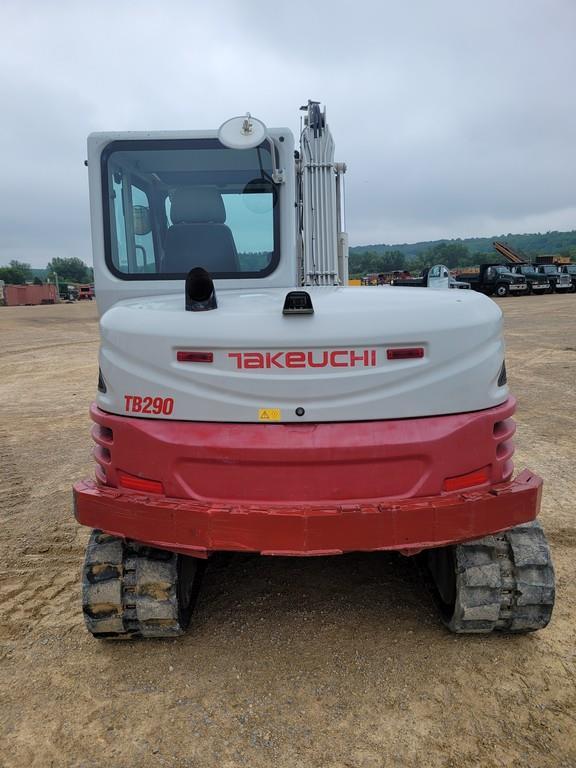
[(339, 372)]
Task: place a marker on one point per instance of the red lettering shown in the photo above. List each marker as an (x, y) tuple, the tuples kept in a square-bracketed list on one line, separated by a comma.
[(322, 364), (295, 360), (238, 356), (155, 405), (272, 360), (338, 353), (356, 357), (253, 360), (338, 358)]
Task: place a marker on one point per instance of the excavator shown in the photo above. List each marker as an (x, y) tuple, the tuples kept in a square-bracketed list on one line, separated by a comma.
[(250, 401)]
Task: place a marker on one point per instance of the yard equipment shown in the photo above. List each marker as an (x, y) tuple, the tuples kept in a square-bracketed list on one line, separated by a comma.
[(85, 292), (495, 280), (250, 401), (537, 283), (560, 282), (570, 270), (437, 276)]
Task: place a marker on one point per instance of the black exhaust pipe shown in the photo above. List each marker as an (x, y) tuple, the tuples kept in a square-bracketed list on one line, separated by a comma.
[(200, 291)]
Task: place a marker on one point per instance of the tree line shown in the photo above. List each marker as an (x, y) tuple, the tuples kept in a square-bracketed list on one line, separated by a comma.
[(452, 255), (71, 270), (532, 244)]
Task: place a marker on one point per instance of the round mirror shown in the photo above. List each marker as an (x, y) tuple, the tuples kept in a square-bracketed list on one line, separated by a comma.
[(243, 132)]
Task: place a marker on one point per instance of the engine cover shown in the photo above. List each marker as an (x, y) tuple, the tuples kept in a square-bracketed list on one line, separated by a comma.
[(365, 354)]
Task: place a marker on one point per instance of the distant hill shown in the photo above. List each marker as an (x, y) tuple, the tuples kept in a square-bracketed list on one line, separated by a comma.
[(531, 244)]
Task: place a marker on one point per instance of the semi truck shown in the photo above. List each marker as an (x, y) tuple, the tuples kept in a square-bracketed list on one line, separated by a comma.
[(248, 400)]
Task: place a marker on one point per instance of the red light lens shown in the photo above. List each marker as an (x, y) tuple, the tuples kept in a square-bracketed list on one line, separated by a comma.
[(194, 357), (405, 353), (141, 484), (478, 477)]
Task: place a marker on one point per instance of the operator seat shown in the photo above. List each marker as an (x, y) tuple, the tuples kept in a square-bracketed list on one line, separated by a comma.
[(198, 236)]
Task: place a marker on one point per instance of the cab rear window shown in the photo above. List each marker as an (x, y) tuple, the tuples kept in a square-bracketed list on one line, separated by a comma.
[(170, 206)]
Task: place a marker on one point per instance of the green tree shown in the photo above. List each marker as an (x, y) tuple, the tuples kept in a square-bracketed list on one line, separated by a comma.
[(16, 273), (371, 262), (37, 281), (450, 254), (72, 270)]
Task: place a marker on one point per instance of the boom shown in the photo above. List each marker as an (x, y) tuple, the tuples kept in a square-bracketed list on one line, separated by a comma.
[(509, 253), (324, 245)]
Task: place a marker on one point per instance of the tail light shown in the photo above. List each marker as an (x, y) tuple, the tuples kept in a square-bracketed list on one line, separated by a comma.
[(142, 484), (183, 356), (478, 477), (405, 353)]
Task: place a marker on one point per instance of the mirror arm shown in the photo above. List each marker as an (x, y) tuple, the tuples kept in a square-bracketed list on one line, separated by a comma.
[(277, 173)]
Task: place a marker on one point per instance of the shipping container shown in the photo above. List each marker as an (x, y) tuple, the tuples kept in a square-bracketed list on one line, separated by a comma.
[(19, 295)]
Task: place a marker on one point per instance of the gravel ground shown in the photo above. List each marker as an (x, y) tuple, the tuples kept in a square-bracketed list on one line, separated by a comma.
[(314, 662)]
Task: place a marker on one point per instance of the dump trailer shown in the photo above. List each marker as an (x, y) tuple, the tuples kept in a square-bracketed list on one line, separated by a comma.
[(250, 401)]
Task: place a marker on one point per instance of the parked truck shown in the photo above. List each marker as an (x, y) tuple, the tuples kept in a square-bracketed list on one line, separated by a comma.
[(495, 280), (536, 282), (570, 269), (560, 282), (438, 275), (85, 291)]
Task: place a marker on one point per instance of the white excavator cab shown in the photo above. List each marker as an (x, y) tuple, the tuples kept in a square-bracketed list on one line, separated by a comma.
[(264, 222)]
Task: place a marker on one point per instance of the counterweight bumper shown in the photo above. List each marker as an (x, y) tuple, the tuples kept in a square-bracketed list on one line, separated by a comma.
[(409, 525)]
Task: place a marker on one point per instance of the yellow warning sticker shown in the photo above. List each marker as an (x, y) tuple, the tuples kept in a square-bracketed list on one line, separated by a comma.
[(269, 414)]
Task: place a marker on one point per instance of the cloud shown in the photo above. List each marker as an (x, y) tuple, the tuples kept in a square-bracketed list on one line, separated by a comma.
[(454, 118)]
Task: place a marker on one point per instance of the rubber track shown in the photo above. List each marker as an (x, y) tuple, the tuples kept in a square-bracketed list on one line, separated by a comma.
[(504, 582), (131, 591)]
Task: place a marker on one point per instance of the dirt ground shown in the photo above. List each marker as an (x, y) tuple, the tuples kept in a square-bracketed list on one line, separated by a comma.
[(289, 663)]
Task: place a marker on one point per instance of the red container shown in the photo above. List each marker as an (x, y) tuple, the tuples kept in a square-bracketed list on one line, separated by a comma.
[(19, 295)]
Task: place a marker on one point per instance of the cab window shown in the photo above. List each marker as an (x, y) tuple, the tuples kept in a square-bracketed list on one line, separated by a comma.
[(171, 206)]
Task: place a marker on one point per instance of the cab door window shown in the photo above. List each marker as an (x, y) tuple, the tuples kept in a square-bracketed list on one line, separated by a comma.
[(132, 237)]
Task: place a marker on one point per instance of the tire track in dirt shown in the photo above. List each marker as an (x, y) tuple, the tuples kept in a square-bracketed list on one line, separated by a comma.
[(48, 598), (26, 351), (14, 488)]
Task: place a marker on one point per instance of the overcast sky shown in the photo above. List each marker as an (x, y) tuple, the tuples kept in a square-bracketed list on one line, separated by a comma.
[(455, 117)]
